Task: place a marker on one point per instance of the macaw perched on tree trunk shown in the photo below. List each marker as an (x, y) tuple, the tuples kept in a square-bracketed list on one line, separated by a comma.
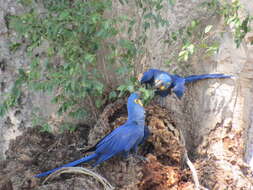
[(166, 83), (121, 140)]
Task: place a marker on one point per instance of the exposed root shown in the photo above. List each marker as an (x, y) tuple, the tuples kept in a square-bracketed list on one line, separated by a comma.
[(193, 171), (190, 164), (81, 170), (203, 188), (163, 149)]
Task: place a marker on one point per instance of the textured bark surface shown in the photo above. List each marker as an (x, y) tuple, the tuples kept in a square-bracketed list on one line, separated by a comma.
[(221, 165), (215, 117)]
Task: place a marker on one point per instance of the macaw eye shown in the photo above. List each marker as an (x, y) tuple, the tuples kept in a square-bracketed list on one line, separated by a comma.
[(138, 101), (162, 88), (158, 83)]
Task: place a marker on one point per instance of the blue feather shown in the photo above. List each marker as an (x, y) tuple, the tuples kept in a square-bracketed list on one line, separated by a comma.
[(193, 78), (174, 83), (82, 160), (121, 140)]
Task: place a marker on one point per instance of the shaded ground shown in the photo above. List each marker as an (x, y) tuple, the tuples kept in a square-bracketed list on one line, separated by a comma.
[(35, 152)]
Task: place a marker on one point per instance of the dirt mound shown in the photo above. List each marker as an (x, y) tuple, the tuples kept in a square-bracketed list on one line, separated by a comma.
[(35, 152)]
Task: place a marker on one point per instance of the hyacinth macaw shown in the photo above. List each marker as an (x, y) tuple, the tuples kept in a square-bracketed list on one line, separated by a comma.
[(165, 82), (121, 140)]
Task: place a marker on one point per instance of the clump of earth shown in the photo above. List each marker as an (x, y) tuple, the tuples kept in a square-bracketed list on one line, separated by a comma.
[(34, 152)]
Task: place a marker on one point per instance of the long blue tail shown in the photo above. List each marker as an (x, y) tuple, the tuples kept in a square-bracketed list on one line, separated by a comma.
[(84, 159), (193, 78)]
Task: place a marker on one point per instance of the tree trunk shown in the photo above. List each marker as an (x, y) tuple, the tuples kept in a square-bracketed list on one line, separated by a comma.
[(215, 116)]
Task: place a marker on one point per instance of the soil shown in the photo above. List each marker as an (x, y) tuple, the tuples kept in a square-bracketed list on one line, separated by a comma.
[(34, 152)]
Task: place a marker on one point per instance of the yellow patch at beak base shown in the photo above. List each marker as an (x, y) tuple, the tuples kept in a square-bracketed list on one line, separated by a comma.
[(138, 101), (162, 88)]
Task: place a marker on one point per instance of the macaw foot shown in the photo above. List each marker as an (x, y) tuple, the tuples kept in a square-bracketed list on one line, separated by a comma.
[(161, 101), (177, 98), (136, 158)]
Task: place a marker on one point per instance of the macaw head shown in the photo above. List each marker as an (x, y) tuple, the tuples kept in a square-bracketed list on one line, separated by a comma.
[(162, 81), (135, 109), (134, 101)]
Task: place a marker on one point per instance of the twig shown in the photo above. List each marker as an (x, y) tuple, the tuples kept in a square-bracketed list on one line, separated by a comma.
[(190, 165), (201, 187), (193, 170), (81, 170)]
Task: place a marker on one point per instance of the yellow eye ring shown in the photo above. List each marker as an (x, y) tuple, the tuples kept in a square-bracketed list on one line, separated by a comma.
[(157, 81), (138, 101)]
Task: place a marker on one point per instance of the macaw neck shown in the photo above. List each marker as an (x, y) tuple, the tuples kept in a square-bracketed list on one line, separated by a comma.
[(136, 114), (139, 122)]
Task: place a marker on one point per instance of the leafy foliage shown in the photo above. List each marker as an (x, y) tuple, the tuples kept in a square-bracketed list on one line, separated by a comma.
[(199, 36), (73, 33), (150, 16), (230, 12), (133, 85)]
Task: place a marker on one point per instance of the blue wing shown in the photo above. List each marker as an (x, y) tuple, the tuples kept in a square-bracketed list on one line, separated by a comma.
[(103, 140), (146, 134), (122, 138), (179, 87), (148, 76), (193, 78), (107, 138), (84, 159), (127, 137)]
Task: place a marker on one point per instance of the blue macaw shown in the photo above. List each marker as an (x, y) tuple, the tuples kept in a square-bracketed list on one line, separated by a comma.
[(165, 82), (121, 140)]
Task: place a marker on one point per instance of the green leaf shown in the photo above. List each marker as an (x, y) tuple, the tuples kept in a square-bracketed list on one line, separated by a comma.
[(89, 58), (130, 88), (146, 25), (98, 103), (122, 2), (122, 88), (80, 113), (183, 55), (194, 23), (148, 16), (2, 109), (208, 28), (46, 128), (112, 95), (212, 49), (172, 2), (68, 127), (14, 46), (191, 48), (64, 15), (168, 62), (25, 2)]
